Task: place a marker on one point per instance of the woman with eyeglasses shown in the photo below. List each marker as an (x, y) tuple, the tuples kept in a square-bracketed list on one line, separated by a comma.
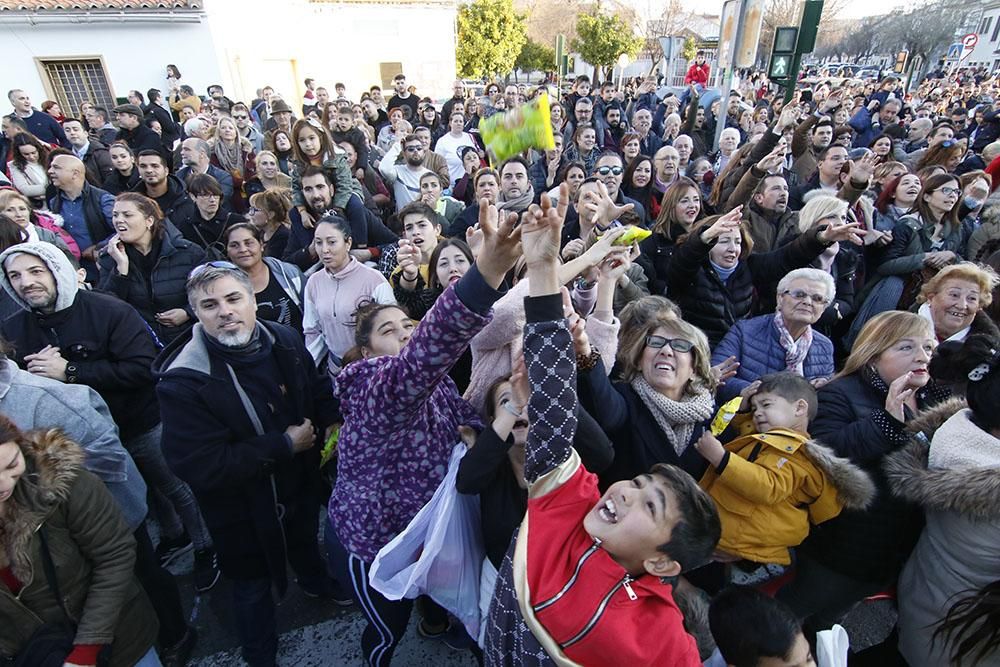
[(923, 242), (714, 274), (126, 175), (146, 264), (863, 416), (784, 340), (665, 397), (279, 287), (212, 216)]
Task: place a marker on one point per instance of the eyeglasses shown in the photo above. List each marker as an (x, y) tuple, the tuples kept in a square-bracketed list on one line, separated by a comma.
[(205, 195), (241, 117), (801, 295), (604, 171), (218, 264), (253, 210), (413, 149), (677, 344), (949, 191)]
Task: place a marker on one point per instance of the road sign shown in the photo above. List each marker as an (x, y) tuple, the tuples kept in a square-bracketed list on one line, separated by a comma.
[(968, 44), (746, 56), (954, 52)]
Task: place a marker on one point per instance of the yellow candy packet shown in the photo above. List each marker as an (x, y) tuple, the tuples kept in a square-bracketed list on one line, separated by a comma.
[(510, 133), (632, 235)]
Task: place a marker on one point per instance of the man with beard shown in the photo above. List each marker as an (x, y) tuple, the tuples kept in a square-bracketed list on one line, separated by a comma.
[(516, 193), (157, 183), (243, 407), (405, 177), (769, 219), (403, 99), (812, 136), (246, 128), (432, 160), (614, 128), (318, 192)]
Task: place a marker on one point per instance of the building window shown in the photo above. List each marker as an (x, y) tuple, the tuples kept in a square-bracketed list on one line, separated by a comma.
[(996, 32), (985, 27), (73, 81)]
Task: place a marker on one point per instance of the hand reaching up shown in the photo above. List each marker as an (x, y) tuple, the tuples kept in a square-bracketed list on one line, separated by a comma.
[(501, 243)]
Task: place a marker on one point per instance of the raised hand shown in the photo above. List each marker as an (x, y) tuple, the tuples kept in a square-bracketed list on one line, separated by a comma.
[(541, 230), (772, 160), (863, 168), (730, 222), (474, 239), (604, 245), (725, 369), (789, 116), (408, 259), (852, 232), (501, 243)]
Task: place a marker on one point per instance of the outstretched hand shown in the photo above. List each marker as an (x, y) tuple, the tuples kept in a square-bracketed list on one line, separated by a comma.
[(501, 243), (730, 222), (863, 168), (541, 230), (852, 232)]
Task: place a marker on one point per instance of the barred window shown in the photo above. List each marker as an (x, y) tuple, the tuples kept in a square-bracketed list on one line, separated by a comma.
[(73, 81)]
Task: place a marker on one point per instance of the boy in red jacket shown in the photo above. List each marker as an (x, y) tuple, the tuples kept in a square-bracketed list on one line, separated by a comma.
[(698, 72), (588, 579)]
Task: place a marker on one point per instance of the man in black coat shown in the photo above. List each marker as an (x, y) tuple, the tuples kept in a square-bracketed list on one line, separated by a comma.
[(244, 408), (165, 189), (134, 132)]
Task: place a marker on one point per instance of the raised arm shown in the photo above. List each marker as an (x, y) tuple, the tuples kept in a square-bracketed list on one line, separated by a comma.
[(549, 356)]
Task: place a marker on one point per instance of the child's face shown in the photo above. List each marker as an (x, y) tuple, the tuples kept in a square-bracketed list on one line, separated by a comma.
[(632, 519), (583, 88), (798, 656), (771, 411)]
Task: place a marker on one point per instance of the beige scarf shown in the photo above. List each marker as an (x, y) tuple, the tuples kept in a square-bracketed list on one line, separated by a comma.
[(677, 419)]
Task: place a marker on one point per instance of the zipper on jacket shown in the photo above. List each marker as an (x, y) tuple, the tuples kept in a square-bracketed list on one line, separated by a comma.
[(572, 580), (624, 583)]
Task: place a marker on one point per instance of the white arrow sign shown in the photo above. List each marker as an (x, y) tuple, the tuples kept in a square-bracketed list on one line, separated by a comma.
[(968, 45)]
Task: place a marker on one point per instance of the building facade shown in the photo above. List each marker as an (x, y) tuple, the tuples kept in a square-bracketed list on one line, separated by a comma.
[(75, 50)]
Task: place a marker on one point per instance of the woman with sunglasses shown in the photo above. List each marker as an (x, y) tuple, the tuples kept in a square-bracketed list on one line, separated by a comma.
[(714, 275), (146, 264), (212, 216)]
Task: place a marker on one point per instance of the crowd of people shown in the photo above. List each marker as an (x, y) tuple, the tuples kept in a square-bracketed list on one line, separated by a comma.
[(257, 333)]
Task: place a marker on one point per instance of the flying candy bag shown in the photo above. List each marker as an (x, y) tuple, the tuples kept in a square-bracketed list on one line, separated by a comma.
[(632, 235), (515, 131)]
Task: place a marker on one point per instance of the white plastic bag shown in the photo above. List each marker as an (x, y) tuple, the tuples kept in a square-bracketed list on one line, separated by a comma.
[(438, 554), (832, 646)]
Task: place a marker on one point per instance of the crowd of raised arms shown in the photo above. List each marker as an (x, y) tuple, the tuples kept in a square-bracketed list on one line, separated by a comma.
[(259, 333)]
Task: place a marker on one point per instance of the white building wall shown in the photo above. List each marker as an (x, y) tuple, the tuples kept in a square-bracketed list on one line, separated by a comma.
[(135, 54), (332, 43), (984, 53)]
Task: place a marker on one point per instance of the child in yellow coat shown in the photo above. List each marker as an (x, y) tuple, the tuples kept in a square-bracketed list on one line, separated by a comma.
[(772, 481)]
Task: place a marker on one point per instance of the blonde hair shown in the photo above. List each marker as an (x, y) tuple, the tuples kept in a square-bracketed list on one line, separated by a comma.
[(6, 195), (979, 274), (882, 332), (632, 343), (817, 208)]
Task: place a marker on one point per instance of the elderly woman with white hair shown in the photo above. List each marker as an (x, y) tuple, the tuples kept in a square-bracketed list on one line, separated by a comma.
[(785, 339)]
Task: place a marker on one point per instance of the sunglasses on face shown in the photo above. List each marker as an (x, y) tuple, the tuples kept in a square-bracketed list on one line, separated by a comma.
[(604, 171), (676, 344), (241, 117), (413, 149)]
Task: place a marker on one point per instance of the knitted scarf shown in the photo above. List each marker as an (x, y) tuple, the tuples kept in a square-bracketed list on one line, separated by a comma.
[(795, 350), (516, 204), (230, 156), (677, 419)]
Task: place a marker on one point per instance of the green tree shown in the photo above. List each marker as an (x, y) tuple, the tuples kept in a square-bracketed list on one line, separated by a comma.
[(490, 37), (690, 50), (603, 38), (535, 57)]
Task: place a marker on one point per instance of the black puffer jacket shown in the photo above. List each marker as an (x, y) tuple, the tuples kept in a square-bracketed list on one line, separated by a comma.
[(656, 252), (869, 545), (713, 305), (163, 289)]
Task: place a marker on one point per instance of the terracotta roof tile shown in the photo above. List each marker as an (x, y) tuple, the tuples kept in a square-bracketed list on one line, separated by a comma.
[(96, 5)]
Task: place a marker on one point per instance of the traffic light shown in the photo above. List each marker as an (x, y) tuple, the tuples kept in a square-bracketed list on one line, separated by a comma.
[(783, 53)]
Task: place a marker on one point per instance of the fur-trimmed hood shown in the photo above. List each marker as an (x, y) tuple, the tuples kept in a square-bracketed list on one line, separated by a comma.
[(855, 488), (53, 463), (961, 486)]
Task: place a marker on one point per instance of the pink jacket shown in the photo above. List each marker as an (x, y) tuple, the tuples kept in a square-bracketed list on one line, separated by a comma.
[(498, 344)]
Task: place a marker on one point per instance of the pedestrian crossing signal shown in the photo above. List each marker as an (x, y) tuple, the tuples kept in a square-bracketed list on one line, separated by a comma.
[(781, 65)]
